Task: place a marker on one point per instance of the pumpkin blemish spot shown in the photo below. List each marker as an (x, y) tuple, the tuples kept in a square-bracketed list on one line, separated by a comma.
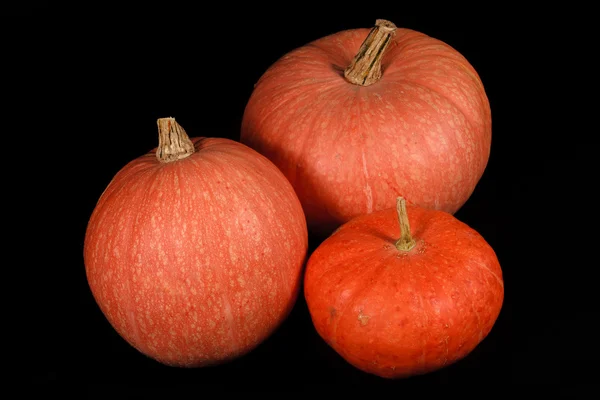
[(332, 313), (364, 319)]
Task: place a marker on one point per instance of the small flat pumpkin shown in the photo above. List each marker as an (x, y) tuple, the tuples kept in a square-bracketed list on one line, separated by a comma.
[(400, 307)]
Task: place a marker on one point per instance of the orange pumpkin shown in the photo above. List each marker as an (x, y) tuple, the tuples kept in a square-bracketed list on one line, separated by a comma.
[(357, 118), (400, 307), (195, 250)]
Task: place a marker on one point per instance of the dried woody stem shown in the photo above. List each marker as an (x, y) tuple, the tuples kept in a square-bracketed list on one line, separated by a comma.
[(406, 241), (365, 69), (173, 143)]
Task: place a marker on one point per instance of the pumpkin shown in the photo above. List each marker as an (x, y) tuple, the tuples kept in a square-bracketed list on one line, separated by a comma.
[(359, 117), (194, 252), (401, 302)]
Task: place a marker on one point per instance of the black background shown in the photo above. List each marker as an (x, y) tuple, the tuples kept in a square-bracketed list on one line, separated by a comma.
[(87, 83)]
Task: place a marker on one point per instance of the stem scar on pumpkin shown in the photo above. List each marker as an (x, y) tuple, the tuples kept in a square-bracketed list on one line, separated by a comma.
[(406, 241)]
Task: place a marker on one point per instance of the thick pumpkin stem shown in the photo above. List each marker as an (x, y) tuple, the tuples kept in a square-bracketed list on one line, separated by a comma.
[(406, 241), (173, 143), (365, 69)]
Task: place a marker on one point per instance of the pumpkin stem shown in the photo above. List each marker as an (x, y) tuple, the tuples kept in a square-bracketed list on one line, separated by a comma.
[(173, 143), (406, 241), (365, 69)]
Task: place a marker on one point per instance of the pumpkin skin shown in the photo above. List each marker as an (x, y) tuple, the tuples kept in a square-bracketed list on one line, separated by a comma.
[(195, 262), (423, 131), (397, 314)]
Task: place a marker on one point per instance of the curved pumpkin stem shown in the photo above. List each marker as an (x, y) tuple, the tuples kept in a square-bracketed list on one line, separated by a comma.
[(365, 68), (406, 241)]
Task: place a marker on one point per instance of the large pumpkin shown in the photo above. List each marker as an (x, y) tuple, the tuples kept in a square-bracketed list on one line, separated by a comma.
[(397, 302), (195, 250), (353, 126)]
